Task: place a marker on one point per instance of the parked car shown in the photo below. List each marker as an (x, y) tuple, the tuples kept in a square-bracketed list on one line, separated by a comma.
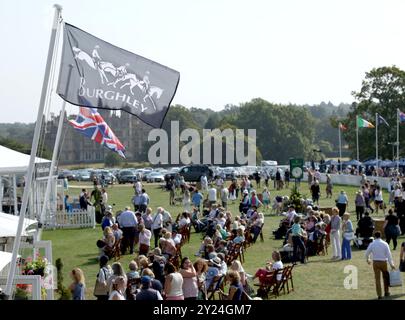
[(83, 175), (126, 176), (194, 172), (67, 174), (155, 177)]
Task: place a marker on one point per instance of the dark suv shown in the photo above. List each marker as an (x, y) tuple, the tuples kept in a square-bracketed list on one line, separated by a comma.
[(194, 172)]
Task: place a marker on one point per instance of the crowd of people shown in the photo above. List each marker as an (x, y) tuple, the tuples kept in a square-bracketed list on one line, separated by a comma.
[(157, 272)]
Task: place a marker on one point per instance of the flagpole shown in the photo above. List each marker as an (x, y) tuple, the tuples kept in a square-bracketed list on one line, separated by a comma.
[(376, 143), (34, 148), (357, 138), (397, 140), (55, 149), (340, 144)]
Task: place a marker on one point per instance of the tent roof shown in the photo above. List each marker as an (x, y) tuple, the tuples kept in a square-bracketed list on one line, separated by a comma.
[(9, 224), (12, 161), (5, 259)]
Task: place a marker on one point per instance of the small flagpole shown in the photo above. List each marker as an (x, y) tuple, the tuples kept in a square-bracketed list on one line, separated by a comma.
[(376, 143), (34, 148), (340, 144), (357, 138), (397, 140)]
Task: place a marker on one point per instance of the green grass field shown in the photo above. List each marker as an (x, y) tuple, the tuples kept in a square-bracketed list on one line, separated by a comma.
[(320, 278)]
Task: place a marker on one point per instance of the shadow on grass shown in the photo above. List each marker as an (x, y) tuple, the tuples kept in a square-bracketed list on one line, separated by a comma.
[(91, 262), (394, 296)]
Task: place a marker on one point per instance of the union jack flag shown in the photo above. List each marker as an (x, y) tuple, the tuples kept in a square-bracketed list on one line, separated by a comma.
[(90, 123)]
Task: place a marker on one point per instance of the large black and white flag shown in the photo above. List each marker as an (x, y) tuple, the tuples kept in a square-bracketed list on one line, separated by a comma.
[(109, 77)]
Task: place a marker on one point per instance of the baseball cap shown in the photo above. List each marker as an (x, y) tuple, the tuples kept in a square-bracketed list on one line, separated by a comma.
[(145, 279)]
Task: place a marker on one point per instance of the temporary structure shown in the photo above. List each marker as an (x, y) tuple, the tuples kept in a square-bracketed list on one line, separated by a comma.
[(5, 259), (14, 162), (9, 224)]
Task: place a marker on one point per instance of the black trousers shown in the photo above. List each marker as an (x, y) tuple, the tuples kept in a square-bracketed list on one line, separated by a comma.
[(298, 244), (342, 208), (359, 212), (156, 234), (128, 239)]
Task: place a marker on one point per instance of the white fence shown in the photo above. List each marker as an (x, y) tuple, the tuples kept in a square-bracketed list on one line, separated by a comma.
[(69, 220), (351, 180)]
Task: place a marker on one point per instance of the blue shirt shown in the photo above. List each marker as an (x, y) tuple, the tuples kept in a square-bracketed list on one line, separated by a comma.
[(296, 229), (342, 198), (127, 219), (197, 197), (144, 200)]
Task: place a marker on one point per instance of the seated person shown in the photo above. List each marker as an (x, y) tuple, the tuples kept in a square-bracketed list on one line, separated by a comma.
[(117, 232), (168, 245), (107, 220), (108, 240), (176, 237), (263, 273), (365, 226), (201, 251), (222, 247), (214, 268), (240, 238), (133, 270)]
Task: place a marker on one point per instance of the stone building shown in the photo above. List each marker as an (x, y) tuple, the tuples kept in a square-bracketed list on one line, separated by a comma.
[(77, 148)]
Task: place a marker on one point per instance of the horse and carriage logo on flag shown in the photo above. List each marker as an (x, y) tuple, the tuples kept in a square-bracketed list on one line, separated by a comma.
[(118, 76)]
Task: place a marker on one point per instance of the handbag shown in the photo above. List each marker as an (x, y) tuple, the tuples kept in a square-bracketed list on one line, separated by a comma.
[(101, 288), (395, 278)]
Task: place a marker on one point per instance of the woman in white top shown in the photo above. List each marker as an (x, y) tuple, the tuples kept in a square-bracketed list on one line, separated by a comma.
[(157, 225), (190, 286), (118, 286), (173, 283), (266, 198), (378, 200), (117, 271), (237, 266)]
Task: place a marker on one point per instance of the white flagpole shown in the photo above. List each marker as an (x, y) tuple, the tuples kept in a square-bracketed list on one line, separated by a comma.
[(34, 148), (55, 150), (340, 145), (376, 143), (397, 141), (357, 138)]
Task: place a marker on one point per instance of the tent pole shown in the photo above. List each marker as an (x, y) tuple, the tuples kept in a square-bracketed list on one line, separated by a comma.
[(34, 148), (15, 195)]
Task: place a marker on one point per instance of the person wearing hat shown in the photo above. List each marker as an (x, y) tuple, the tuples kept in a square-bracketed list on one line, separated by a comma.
[(146, 292), (360, 204), (108, 220), (342, 203), (214, 267), (245, 202)]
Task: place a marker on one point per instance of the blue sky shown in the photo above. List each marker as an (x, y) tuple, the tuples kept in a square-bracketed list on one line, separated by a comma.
[(226, 51)]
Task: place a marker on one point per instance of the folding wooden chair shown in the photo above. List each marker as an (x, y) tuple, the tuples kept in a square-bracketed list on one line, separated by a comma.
[(216, 287), (286, 278)]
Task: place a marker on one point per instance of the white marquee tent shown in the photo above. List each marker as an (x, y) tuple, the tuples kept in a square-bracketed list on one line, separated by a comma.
[(14, 162)]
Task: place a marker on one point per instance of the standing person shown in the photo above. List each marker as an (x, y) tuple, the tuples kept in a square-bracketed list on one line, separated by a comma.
[(348, 235), (266, 198), (78, 287), (83, 200), (315, 191), (278, 179), (381, 255), (186, 201), (224, 196), (204, 182), (287, 178), (138, 187), (144, 201), (360, 204), (173, 283), (378, 199), (172, 190), (136, 201), (128, 223), (391, 228), (101, 290), (212, 195), (157, 226), (366, 194), (197, 198), (190, 286), (104, 200), (167, 219), (342, 203), (146, 292), (96, 194), (297, 238), (329, 186), (335, 223), (148, 219), (144, 240), (118, 289)]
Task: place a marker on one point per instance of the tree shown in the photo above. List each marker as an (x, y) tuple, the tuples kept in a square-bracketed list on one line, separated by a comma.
[(112, 159), (382, 91)]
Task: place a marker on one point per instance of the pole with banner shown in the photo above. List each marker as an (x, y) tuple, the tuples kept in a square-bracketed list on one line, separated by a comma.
[(357, 137), (340, 144), (34, 148)]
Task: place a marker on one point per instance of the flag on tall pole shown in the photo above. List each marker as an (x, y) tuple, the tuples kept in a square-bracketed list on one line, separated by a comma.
[(362, 123), (109, 77), (400, 119), (91, 124), (343, 128), (377, 121), (381, 120)]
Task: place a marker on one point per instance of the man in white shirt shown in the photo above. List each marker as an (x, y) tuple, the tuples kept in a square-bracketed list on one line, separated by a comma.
[(204, 182), (224, 196), (167, 219), (157, 226), (212, 195), (128, 222), (381, 255), (291, 214)]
